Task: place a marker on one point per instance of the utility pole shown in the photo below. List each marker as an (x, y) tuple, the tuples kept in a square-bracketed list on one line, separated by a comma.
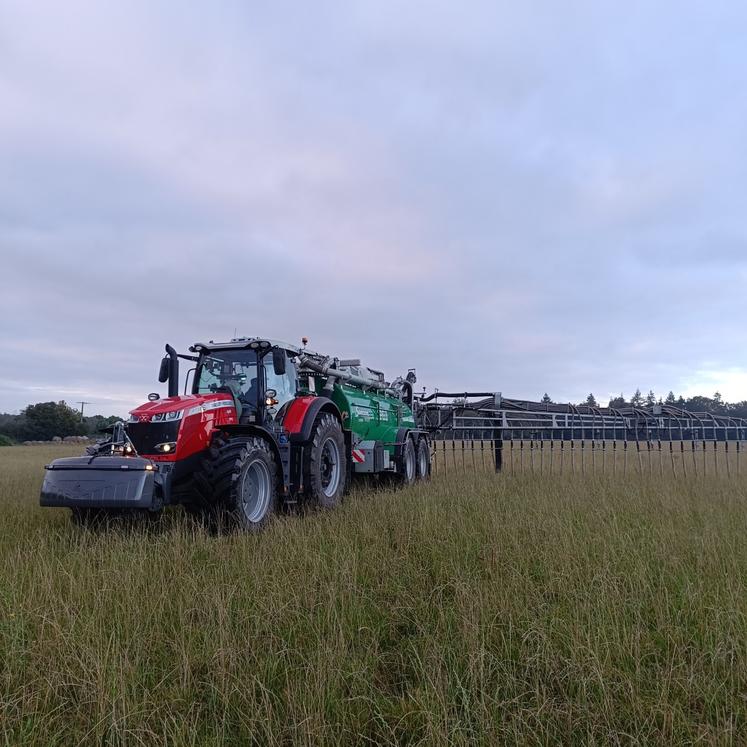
[(82, 405)]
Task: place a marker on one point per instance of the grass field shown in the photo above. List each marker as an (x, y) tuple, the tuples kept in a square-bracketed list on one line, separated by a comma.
[(477, 609)]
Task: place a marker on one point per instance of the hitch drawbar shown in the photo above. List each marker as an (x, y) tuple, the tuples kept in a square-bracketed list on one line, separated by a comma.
[(101, 482)]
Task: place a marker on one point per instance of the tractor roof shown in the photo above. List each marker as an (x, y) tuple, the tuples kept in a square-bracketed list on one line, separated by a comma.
[(242, 343)]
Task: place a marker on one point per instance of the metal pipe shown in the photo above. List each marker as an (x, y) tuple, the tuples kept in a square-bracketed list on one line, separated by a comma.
[(326, 369), (457, 395)]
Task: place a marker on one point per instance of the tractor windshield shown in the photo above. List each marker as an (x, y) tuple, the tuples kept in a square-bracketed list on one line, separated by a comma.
[(233, 371)]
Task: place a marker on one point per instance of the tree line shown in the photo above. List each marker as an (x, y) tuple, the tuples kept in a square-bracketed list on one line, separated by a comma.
[(715, 405), (45, 420)]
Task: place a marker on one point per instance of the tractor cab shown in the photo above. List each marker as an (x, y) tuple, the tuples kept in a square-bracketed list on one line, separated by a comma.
[(259, 375)]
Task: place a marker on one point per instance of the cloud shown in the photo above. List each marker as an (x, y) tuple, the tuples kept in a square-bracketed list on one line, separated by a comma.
[(521, 198)]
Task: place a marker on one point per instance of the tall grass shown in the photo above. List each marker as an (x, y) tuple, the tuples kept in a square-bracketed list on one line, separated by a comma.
[(475, 609)]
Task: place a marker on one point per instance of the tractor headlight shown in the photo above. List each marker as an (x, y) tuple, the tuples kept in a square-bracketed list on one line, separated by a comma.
[(166, 448), (167, 417)]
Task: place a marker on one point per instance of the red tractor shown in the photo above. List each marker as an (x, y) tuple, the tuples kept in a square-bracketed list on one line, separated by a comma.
[(266, 424)]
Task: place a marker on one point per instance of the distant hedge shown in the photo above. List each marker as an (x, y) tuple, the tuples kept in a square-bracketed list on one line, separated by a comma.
[(6, 440), (45, 420)]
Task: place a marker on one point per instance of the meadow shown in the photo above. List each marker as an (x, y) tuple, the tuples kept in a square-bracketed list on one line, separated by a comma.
[(475, 609)]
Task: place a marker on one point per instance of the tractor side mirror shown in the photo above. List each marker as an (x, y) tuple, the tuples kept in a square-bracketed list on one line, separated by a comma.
[(163, 372), (278, 361)]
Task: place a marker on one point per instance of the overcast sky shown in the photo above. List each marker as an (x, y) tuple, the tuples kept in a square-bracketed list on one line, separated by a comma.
[(526, 197)]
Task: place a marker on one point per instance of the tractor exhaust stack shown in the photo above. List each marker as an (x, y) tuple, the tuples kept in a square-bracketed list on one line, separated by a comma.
[(170, 371)]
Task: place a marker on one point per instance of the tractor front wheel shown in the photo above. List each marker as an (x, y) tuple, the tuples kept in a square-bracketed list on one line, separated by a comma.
[(244, 482)]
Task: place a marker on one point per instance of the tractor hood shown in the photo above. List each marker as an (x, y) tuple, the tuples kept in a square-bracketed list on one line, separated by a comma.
[(183, 406), (178, 427)]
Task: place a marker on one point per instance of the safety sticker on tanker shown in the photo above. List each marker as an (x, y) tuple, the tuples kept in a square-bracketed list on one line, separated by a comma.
[(359, 456)]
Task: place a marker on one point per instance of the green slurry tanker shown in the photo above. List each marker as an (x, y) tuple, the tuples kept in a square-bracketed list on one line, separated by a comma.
[(264, 426)]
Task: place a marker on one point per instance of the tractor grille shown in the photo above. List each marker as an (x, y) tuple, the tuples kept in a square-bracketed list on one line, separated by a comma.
[(145, 436)]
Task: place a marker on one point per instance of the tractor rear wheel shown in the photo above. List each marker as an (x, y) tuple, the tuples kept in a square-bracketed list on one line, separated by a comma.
[(408, 462), (423, 465), (326, 463), (243, 478)]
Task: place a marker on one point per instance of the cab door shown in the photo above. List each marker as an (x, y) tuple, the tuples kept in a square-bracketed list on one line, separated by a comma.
[(285, 385)]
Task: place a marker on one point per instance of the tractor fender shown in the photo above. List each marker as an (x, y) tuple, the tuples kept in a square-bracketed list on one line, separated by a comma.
[(301, 415), (246, 429)]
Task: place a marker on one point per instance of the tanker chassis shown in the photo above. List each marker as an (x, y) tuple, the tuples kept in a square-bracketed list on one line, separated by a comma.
[(265, 426)]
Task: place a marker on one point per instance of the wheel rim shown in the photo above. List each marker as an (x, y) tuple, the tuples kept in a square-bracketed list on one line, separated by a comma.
[(330, 467), (423, 459), (255, 491), (410, 464)]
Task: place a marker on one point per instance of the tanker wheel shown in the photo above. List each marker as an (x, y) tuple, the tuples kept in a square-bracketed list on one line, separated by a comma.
[(244, 482), (423, 464), (326, 464), (408, 462)]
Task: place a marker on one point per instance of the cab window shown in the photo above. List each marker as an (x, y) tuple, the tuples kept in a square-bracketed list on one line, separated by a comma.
[(284, 385), (228, 370)]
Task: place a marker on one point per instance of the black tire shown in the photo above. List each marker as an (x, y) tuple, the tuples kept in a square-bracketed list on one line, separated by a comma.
[(423, 460), (244, 479), (215, 498), (408, 462), (326, 463), (198, 495)]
